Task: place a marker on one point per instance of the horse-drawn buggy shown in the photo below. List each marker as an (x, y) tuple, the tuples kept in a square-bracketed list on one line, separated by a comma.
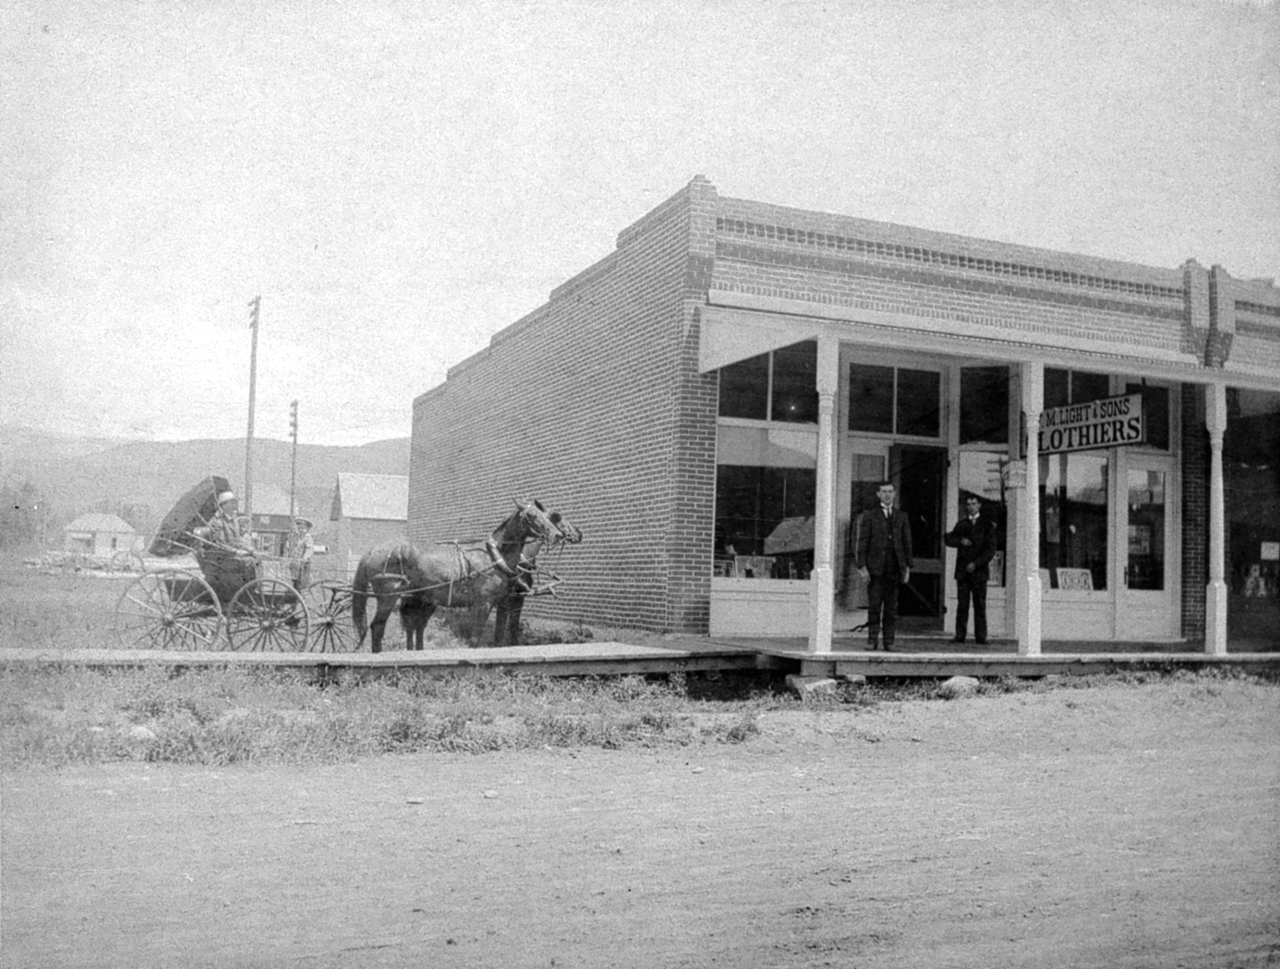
[(250, 601), (234, 595)]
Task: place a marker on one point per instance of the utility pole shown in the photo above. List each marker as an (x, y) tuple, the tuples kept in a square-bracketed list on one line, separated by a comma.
[(254, 306), (293, 470)]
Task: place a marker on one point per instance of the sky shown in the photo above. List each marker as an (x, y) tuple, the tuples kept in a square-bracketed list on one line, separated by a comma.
[(400, 181)]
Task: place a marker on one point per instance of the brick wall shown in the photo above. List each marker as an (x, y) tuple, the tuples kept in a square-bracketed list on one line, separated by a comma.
[(592, 403), (1195, 512)]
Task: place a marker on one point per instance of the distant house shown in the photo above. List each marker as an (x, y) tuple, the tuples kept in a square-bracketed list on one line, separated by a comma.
[(367, 509), (99, 535)]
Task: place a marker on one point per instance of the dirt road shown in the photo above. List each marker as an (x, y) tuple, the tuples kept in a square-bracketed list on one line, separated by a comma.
[(1111, 827)]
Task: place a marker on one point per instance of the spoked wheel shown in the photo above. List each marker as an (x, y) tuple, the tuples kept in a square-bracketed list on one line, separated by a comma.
[(331, 628), (267, 614), (168, 609)]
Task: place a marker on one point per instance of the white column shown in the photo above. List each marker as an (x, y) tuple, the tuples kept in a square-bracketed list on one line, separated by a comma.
[(822, 587), (1027, 596), (1215, 604)]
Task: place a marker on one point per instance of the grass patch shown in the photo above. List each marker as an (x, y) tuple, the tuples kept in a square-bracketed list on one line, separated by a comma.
[(56, 717)]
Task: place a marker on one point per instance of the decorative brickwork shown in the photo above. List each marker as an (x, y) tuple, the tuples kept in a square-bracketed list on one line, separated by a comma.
[(946, 260)]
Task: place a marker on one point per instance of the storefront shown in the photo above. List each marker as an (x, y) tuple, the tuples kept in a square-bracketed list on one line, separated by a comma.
[(717, 400), (1109, 515)]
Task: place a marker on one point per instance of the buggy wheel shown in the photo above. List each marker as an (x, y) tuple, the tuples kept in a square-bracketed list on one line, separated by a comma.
[(168, 609), (332, 630), (267, 614)]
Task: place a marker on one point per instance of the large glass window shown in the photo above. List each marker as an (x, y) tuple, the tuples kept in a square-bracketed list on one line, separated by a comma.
[(871, 398), (984, 405), (764, 521), (1251, 469), (1073, 521), (1155, 412), (895, 400), (744, 388), (1146, 494), (1062, 387), (781, 386)]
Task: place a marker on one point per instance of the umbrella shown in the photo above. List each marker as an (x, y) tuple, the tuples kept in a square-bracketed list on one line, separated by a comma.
[(193, 509)]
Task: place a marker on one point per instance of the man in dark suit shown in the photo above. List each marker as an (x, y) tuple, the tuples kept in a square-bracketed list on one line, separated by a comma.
[(882, 554), (975, 537)]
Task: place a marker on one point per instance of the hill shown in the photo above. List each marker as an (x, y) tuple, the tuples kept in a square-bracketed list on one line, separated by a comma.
[(72, 475)]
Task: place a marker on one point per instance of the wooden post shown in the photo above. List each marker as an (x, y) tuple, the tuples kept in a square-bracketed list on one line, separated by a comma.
[(822, 582), (1215, 612), (1027, 597)]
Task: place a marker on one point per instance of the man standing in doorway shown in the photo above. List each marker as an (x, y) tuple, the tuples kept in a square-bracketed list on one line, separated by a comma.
[(882, 554), (975, 538)]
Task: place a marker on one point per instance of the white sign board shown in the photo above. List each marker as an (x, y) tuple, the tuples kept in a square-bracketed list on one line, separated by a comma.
[(1109, 422)]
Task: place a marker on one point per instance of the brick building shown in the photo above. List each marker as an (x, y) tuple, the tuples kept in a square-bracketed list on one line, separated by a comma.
[(714, 401)]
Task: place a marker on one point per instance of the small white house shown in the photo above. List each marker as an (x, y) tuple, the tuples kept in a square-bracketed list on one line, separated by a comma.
[(99, 535)]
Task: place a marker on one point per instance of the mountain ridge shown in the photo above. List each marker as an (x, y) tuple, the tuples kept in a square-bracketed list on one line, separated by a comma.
[(72, 475)]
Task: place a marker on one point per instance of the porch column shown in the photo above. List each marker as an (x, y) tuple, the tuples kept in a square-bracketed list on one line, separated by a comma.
[(1027, 597), (1215, 604), (822, 587)]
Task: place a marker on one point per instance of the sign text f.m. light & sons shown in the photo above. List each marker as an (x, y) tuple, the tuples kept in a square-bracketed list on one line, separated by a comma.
[(1109, 422)]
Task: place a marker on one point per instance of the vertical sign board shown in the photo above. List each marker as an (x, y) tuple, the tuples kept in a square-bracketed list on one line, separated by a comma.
[(1110, 422)]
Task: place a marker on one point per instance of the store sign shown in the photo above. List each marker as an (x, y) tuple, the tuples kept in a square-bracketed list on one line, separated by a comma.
[(1110, 422)]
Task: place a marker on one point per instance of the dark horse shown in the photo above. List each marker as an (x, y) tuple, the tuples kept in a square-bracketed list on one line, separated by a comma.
[(506, 620), (452, 575)]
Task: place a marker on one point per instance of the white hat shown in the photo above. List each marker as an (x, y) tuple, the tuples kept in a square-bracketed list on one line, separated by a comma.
[(225, 496)]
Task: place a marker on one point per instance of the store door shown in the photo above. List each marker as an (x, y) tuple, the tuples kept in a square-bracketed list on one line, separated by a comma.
[(1147, 605), (920, 475)]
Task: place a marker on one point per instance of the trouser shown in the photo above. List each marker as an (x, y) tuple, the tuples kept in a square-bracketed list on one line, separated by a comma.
[(882, 595), (971, 587)]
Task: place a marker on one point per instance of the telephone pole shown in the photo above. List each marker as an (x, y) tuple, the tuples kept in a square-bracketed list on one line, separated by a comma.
[(293, 470), (254, 305)]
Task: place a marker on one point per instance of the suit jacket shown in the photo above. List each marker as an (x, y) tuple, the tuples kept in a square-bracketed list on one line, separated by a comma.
[(980, 550), (875, 535)]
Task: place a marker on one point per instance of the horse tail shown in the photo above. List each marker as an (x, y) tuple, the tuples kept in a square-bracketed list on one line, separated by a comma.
[(359, 593)]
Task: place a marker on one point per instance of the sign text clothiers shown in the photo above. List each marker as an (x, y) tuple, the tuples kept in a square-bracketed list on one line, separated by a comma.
[(1109, 422)]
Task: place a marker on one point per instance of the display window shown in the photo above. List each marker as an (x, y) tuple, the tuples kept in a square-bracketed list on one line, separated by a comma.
[(766, 465)]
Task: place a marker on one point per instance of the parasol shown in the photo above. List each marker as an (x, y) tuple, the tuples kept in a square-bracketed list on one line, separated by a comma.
[(193, 509)]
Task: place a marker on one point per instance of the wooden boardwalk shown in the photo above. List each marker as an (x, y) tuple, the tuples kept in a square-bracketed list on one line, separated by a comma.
[(913, 657), (557, 659)]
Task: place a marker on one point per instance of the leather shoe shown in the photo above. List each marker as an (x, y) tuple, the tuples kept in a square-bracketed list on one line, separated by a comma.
[(981, 642), (960, 639)]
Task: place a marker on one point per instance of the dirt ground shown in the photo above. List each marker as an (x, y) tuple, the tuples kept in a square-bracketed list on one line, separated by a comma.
[(1119, 826)]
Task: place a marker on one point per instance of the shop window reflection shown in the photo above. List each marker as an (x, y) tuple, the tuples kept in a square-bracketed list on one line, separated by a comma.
[(1073, 518), (764, 517)]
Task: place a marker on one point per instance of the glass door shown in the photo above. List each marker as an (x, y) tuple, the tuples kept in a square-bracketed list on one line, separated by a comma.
[(1147, 604)]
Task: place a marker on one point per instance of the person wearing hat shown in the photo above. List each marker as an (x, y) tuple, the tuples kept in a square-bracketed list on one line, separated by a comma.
[(223, 529), (301, 547)]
